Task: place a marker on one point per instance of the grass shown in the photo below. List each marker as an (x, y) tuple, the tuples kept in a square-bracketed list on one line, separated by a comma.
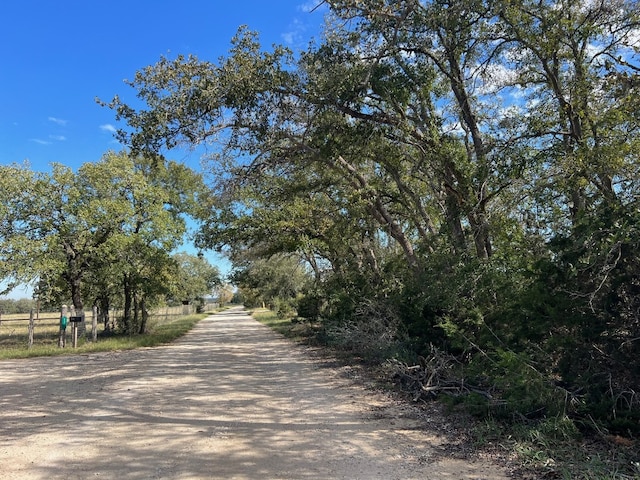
[(271, 320), (287, 326), (46, 339)]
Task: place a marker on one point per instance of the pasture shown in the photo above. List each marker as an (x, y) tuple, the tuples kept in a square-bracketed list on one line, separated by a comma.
[(14, 333)]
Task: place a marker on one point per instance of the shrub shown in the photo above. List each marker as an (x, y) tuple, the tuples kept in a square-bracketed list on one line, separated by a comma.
[(374, 331)]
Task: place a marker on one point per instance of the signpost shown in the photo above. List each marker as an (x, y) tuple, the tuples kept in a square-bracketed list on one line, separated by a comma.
[(75, 320)]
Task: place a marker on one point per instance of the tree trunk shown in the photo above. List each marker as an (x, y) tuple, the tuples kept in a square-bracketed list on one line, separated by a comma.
[(135, 324), (453, 217), (78, 305), (144, 317), (480, 229), (103, 311), (128, 298), (382, 215), (476, 151), (395, 230)]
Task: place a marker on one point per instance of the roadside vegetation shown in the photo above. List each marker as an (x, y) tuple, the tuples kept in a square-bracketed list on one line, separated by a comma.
[(544, 448)]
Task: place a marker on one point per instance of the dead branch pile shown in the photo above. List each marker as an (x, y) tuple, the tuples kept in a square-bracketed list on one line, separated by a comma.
[(434, 375)]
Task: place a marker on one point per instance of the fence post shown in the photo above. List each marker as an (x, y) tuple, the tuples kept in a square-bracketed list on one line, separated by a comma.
[(31, 327), (74, 328), (94, 324)]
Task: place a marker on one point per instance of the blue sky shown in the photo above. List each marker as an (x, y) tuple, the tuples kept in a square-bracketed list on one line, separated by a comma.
[(57, 57)]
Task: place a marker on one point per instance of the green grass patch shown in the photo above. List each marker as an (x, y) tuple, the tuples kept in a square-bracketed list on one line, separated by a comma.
[(159, 334), (289, 326), (271, 319)]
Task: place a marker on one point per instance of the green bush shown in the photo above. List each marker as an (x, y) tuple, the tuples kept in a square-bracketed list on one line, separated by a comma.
[(518, 390), (284, 308)]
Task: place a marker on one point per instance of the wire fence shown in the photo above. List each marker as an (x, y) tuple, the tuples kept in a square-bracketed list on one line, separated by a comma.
[(44, 328)]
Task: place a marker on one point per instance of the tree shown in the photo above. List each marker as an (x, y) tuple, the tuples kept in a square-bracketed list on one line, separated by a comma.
[(51, 227), (275, 281), (195, 278), (9, 305), (292, 109), (573, 57), (112, 219), (224, 293), (158, 194)]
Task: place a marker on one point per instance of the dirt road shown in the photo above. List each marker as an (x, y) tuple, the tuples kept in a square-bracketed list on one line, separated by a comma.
[(230, 400)]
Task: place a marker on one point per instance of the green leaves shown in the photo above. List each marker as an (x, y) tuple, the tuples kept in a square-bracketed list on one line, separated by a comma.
[(101, 220), (195, 277)]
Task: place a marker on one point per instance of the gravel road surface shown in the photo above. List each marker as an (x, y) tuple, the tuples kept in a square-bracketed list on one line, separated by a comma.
[(230, 400)]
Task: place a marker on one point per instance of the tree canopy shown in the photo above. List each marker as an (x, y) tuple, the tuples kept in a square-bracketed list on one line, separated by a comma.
[(103, 232)]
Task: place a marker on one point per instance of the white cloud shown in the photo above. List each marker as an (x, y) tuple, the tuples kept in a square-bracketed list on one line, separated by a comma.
[(296, 32), (60, 138), (107, 127), (41, 142), (495, 77), (312, 6), (59, 121), (634, 37), (298, 28), (288, 37)]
